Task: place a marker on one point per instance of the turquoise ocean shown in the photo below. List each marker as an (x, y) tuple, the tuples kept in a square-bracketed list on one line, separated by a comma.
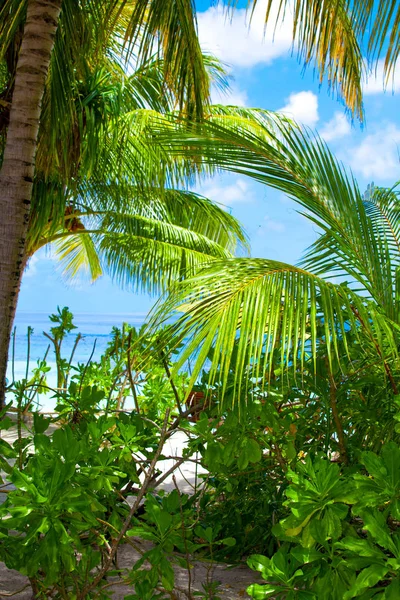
[(95, 329)]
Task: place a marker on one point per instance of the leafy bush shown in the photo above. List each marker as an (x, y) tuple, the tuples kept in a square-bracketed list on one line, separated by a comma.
[(243, 493), (304, 476), (62, 524), (341, 536)]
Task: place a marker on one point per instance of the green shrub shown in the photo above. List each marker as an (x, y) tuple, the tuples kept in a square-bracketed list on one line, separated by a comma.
[(341, 537)]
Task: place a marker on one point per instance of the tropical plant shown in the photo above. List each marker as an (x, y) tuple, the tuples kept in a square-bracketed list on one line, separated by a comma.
[(148, 240), (341, 534), (334, 35), (51, 40), (250, 310), (245, 462), (68, 30), (72, 517), (73, 473), (339, 521), (117, 212)]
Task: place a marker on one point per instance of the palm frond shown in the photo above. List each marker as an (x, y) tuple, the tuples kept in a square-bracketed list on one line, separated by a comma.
[(147, 245), (331, 33), (12, 18), (156, 256), (364, 243), (176, 207), (243, 310), (78, 256), (325, 35), (274, 151), (383, 208), (171, 25), (381, 22), (274, 315)]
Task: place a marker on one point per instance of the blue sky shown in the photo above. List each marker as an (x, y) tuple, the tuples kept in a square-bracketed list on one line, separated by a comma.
[(264, 74)]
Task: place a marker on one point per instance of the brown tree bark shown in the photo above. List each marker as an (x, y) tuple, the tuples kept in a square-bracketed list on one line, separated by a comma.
[(16, 175)]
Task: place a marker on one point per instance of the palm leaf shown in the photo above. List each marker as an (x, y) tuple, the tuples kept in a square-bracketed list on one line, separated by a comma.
[(259, 305), (381, 22), (325, 34), (139, 252), (272, 314), (273, 151), (382, 207), (183, 208), (171, 25), (156, 257), (332, 33), (78, 256), (145, 240)]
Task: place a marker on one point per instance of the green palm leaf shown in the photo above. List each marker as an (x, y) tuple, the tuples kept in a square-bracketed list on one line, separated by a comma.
[(171, 25), (273, 151), (332, 34), (156, 255), (246, 308), (183, 208), (258, 315), (383, 209), (147, 242), (78, 256), (325, 33)]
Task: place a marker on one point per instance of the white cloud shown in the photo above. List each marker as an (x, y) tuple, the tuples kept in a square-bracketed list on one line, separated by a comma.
[(336, 128), (31, 267), (376, 81), (377, 156), (302, 107), (239, 42), (269, 224), (232, 96), (238, 192)]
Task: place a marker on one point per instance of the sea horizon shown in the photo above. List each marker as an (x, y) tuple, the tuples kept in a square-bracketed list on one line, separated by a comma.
[(95, 329)]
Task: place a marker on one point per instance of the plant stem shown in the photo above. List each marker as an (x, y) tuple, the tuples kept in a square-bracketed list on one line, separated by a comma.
[(187, 557), (87, 365), (28, 352), (134, 508), (336, 418), (130, 375), (77, 340), (173, 386)]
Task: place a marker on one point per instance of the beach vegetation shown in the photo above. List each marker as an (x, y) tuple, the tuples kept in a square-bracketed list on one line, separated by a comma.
[(280, 484), (279, 383), (49, 90), (70, 477)]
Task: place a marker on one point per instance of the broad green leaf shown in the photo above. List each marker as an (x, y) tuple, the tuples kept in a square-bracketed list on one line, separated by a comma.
[(258, 562), (392, 592), (360, 547), (253, 451), (40, 423), (368, 578), (163, 520), (259, 592), (305, 555), (230, 541), (375, 524), (6, 450), (167, 575), (25, 483)]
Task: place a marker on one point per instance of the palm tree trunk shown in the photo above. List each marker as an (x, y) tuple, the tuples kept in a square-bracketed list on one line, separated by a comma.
[(16, 175)]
